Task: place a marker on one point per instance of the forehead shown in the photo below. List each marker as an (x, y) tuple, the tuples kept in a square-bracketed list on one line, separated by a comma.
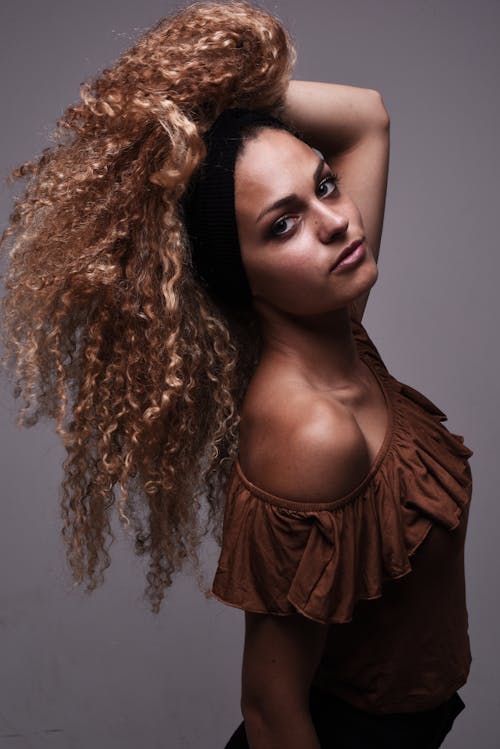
[(272, 164)]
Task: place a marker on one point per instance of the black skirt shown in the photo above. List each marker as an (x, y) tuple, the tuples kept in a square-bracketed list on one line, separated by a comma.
[(340, 725)]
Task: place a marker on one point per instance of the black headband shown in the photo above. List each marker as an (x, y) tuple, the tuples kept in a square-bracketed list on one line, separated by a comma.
[(209, 211)]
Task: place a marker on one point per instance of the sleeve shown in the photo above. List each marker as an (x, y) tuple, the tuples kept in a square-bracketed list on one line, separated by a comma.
[(283, 557)]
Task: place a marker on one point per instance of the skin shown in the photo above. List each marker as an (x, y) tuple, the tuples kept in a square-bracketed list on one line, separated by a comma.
[(311, 395), (303, 308), (309, 358)]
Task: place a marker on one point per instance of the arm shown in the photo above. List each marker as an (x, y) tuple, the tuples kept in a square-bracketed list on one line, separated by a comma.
[(351, 127), (281, 654), (323, 455)]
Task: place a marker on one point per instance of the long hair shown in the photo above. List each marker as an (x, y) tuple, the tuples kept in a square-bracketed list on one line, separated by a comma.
[(104, 327)]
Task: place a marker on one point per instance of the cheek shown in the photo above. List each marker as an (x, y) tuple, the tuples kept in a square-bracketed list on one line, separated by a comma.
[(291, 276)]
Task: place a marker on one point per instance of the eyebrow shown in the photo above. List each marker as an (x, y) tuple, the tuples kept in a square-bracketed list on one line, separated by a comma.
[(293, 197)]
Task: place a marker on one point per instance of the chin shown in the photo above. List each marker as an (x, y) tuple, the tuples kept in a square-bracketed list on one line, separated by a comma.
[(367, 277), (370, 275)]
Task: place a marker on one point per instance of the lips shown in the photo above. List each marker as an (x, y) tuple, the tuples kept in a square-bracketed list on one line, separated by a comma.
[(347, 251)]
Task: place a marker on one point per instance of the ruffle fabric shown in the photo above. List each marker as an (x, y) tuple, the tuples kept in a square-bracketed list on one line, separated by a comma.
[(281, 556)]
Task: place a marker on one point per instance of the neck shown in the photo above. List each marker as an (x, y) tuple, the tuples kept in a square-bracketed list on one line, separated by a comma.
[(321, 349)]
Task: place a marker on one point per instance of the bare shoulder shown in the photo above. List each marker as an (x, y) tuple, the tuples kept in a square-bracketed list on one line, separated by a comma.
[(303, 446)]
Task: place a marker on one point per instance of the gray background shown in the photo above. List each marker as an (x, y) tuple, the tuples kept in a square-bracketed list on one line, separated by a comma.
[(103, 672)]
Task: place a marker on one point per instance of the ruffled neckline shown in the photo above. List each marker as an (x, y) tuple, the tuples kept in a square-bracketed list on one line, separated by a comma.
[(281, 556)]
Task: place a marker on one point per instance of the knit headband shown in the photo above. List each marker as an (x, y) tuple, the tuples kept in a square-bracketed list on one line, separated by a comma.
[(209, 211)]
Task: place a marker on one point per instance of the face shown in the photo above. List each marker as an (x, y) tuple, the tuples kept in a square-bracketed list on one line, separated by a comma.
[(288, 250)]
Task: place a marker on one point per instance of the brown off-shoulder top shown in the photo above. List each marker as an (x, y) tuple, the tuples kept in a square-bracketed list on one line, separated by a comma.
[(383, 566)]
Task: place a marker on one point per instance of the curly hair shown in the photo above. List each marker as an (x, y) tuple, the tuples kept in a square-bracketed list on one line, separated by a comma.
[(104, 326)]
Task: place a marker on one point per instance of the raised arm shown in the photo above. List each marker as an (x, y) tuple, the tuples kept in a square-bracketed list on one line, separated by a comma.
[(351, 127)]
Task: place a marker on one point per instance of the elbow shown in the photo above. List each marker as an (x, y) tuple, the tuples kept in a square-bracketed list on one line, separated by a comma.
[(253, 706), (380, 113), (246, 710), (269, 704), (253, 713)]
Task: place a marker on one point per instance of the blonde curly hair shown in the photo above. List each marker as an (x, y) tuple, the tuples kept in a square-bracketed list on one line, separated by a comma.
[(104, 326)]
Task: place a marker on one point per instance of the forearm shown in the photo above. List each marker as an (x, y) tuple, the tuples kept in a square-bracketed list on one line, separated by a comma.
[(293, 731), (334, 117)]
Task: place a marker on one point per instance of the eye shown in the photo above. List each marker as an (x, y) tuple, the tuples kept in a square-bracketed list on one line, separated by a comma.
[(275, 227), (332, 180)]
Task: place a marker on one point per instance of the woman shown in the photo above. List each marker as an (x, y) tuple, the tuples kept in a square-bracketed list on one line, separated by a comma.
[(191, 327), (342, 471)]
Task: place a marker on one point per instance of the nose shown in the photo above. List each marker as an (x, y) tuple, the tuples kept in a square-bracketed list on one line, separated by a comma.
[(330, 220)]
